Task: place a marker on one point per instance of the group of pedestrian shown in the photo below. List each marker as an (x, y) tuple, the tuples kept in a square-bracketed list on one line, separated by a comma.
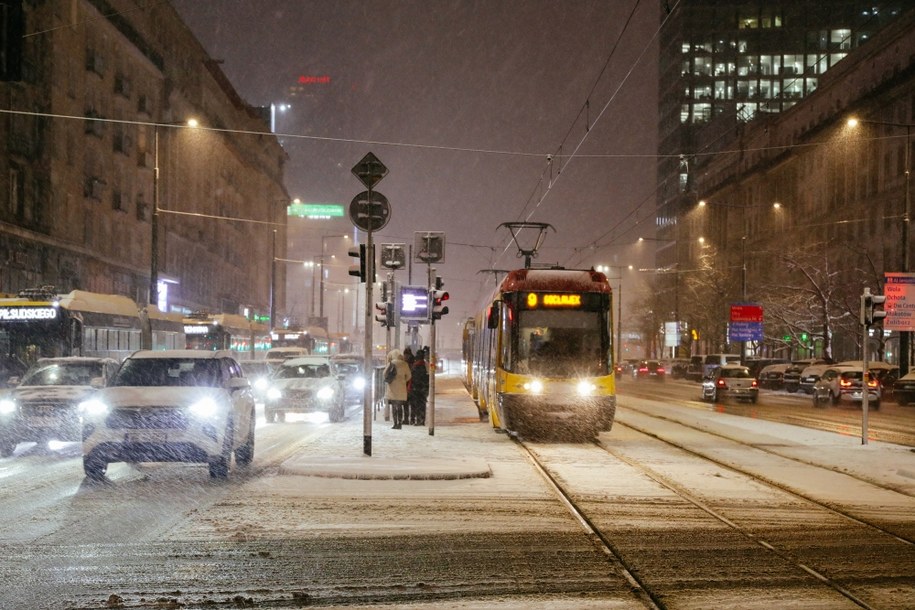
[(407, 386)]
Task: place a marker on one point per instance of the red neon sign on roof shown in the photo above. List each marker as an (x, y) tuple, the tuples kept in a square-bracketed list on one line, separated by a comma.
[(314, 80)]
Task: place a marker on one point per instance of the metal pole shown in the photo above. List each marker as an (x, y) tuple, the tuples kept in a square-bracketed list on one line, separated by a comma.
[(864, 375), (321, 311), (432, 364), (273, 282), (367, 409), (154, 227), (905, 336)]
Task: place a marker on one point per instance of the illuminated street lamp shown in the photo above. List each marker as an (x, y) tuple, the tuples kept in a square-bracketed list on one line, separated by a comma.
[(154, 221)]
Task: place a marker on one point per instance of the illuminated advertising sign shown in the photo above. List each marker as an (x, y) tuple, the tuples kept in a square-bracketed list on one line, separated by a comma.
[(547, 300), (19, 313), (413, 303)]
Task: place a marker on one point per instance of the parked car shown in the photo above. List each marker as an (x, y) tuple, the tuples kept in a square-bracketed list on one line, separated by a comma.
[(791, 379), (352, 369), (730, 381), (758, 364), (171, 406), (44, 404), (305, 385), (809, 377), (650, 369), (843, 383), (678, 368), (772, 377), (904, 389), (701, 366)]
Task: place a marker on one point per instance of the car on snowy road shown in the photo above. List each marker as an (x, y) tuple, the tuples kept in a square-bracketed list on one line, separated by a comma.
[(43, 404), (843, 383), (310, 384), (171, 406), (730, 381)]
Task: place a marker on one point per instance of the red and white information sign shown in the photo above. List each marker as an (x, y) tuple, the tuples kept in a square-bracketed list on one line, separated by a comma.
[(899, 291)]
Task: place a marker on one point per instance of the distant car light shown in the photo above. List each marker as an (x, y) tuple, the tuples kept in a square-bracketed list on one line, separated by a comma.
[(7, 406), (261, 384), (274, 394), (205, 408), (93, 408), (326, 393), (359, 383)]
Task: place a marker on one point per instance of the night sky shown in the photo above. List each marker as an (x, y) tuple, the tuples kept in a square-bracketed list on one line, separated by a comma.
[(463, 101)]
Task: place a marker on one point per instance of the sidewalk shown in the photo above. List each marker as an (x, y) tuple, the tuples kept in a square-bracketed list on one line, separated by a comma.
[(411, 453)]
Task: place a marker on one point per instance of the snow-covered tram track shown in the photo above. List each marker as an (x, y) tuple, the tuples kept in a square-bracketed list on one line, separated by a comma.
[(825, 563)]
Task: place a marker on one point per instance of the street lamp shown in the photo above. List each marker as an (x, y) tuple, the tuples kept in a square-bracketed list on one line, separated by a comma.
[(154, 221), (904, 336), (323, 251)]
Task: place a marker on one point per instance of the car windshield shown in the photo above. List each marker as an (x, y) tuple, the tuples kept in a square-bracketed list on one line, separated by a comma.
[(63, 374), (349, 368), (303, 371), (168, 372)]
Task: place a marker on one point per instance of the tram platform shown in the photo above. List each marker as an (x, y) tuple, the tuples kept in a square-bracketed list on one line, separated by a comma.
[(410, 453)]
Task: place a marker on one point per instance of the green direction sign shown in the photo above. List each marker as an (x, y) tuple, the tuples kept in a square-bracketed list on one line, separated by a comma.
[(316, 210)]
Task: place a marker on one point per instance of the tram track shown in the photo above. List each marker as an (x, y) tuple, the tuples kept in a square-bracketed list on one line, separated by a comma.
[(823, 571)]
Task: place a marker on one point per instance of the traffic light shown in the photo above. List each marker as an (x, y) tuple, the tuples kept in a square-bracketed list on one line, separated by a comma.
[(870, 313), (358, 270), (383, 314), (438, 308)]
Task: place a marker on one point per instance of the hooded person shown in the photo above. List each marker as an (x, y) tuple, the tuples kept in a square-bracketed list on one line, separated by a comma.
[(397, 376), (419, 389)]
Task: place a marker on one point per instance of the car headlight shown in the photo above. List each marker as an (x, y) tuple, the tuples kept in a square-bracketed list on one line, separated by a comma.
[(359, 383), (586, 388), (7, 406), (94, 408), (260, 384), (534, 386), (326, 393), (274, 394), (205, 408)]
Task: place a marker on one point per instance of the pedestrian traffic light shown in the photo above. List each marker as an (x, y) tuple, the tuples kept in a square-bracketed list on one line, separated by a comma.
[(383, 314), (438, 308), (872, 308)]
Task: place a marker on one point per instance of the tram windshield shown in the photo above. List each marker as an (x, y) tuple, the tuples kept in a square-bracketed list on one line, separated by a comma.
[(561, 343)]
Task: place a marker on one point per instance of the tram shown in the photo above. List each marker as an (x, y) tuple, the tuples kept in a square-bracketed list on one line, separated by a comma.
[(39, 323), (246, 339), (541, 354)]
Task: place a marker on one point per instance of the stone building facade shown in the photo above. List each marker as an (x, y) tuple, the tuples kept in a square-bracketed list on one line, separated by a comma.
[(106, 92)]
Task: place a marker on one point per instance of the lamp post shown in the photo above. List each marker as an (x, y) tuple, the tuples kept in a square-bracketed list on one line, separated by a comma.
[(904, 336), (154, 220), (323, 251)]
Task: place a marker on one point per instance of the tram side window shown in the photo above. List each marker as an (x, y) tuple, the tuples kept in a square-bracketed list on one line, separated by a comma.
[(89, 343)]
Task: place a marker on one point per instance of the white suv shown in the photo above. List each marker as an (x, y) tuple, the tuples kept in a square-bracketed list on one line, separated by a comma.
[(171, 406)]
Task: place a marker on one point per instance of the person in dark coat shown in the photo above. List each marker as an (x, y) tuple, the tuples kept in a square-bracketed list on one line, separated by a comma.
[(419, 389)]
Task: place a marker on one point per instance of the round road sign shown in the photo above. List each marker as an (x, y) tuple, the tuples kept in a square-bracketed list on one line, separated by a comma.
[(370, 214)]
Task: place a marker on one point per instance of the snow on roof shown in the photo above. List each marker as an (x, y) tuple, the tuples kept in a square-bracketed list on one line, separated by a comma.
[(559, 280), (91, 302), (181, 353)]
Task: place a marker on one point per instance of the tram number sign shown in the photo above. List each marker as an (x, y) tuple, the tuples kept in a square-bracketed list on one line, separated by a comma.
[(547, 300)]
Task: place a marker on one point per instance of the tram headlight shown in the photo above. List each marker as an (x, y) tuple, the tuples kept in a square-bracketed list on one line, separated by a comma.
[(586, 388), (534, 386)]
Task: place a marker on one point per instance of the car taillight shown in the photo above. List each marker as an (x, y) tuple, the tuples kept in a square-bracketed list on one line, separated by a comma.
[(844, 383), (872, 383), (721, 383), (643, 369), (660, 370), (753, 384)]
